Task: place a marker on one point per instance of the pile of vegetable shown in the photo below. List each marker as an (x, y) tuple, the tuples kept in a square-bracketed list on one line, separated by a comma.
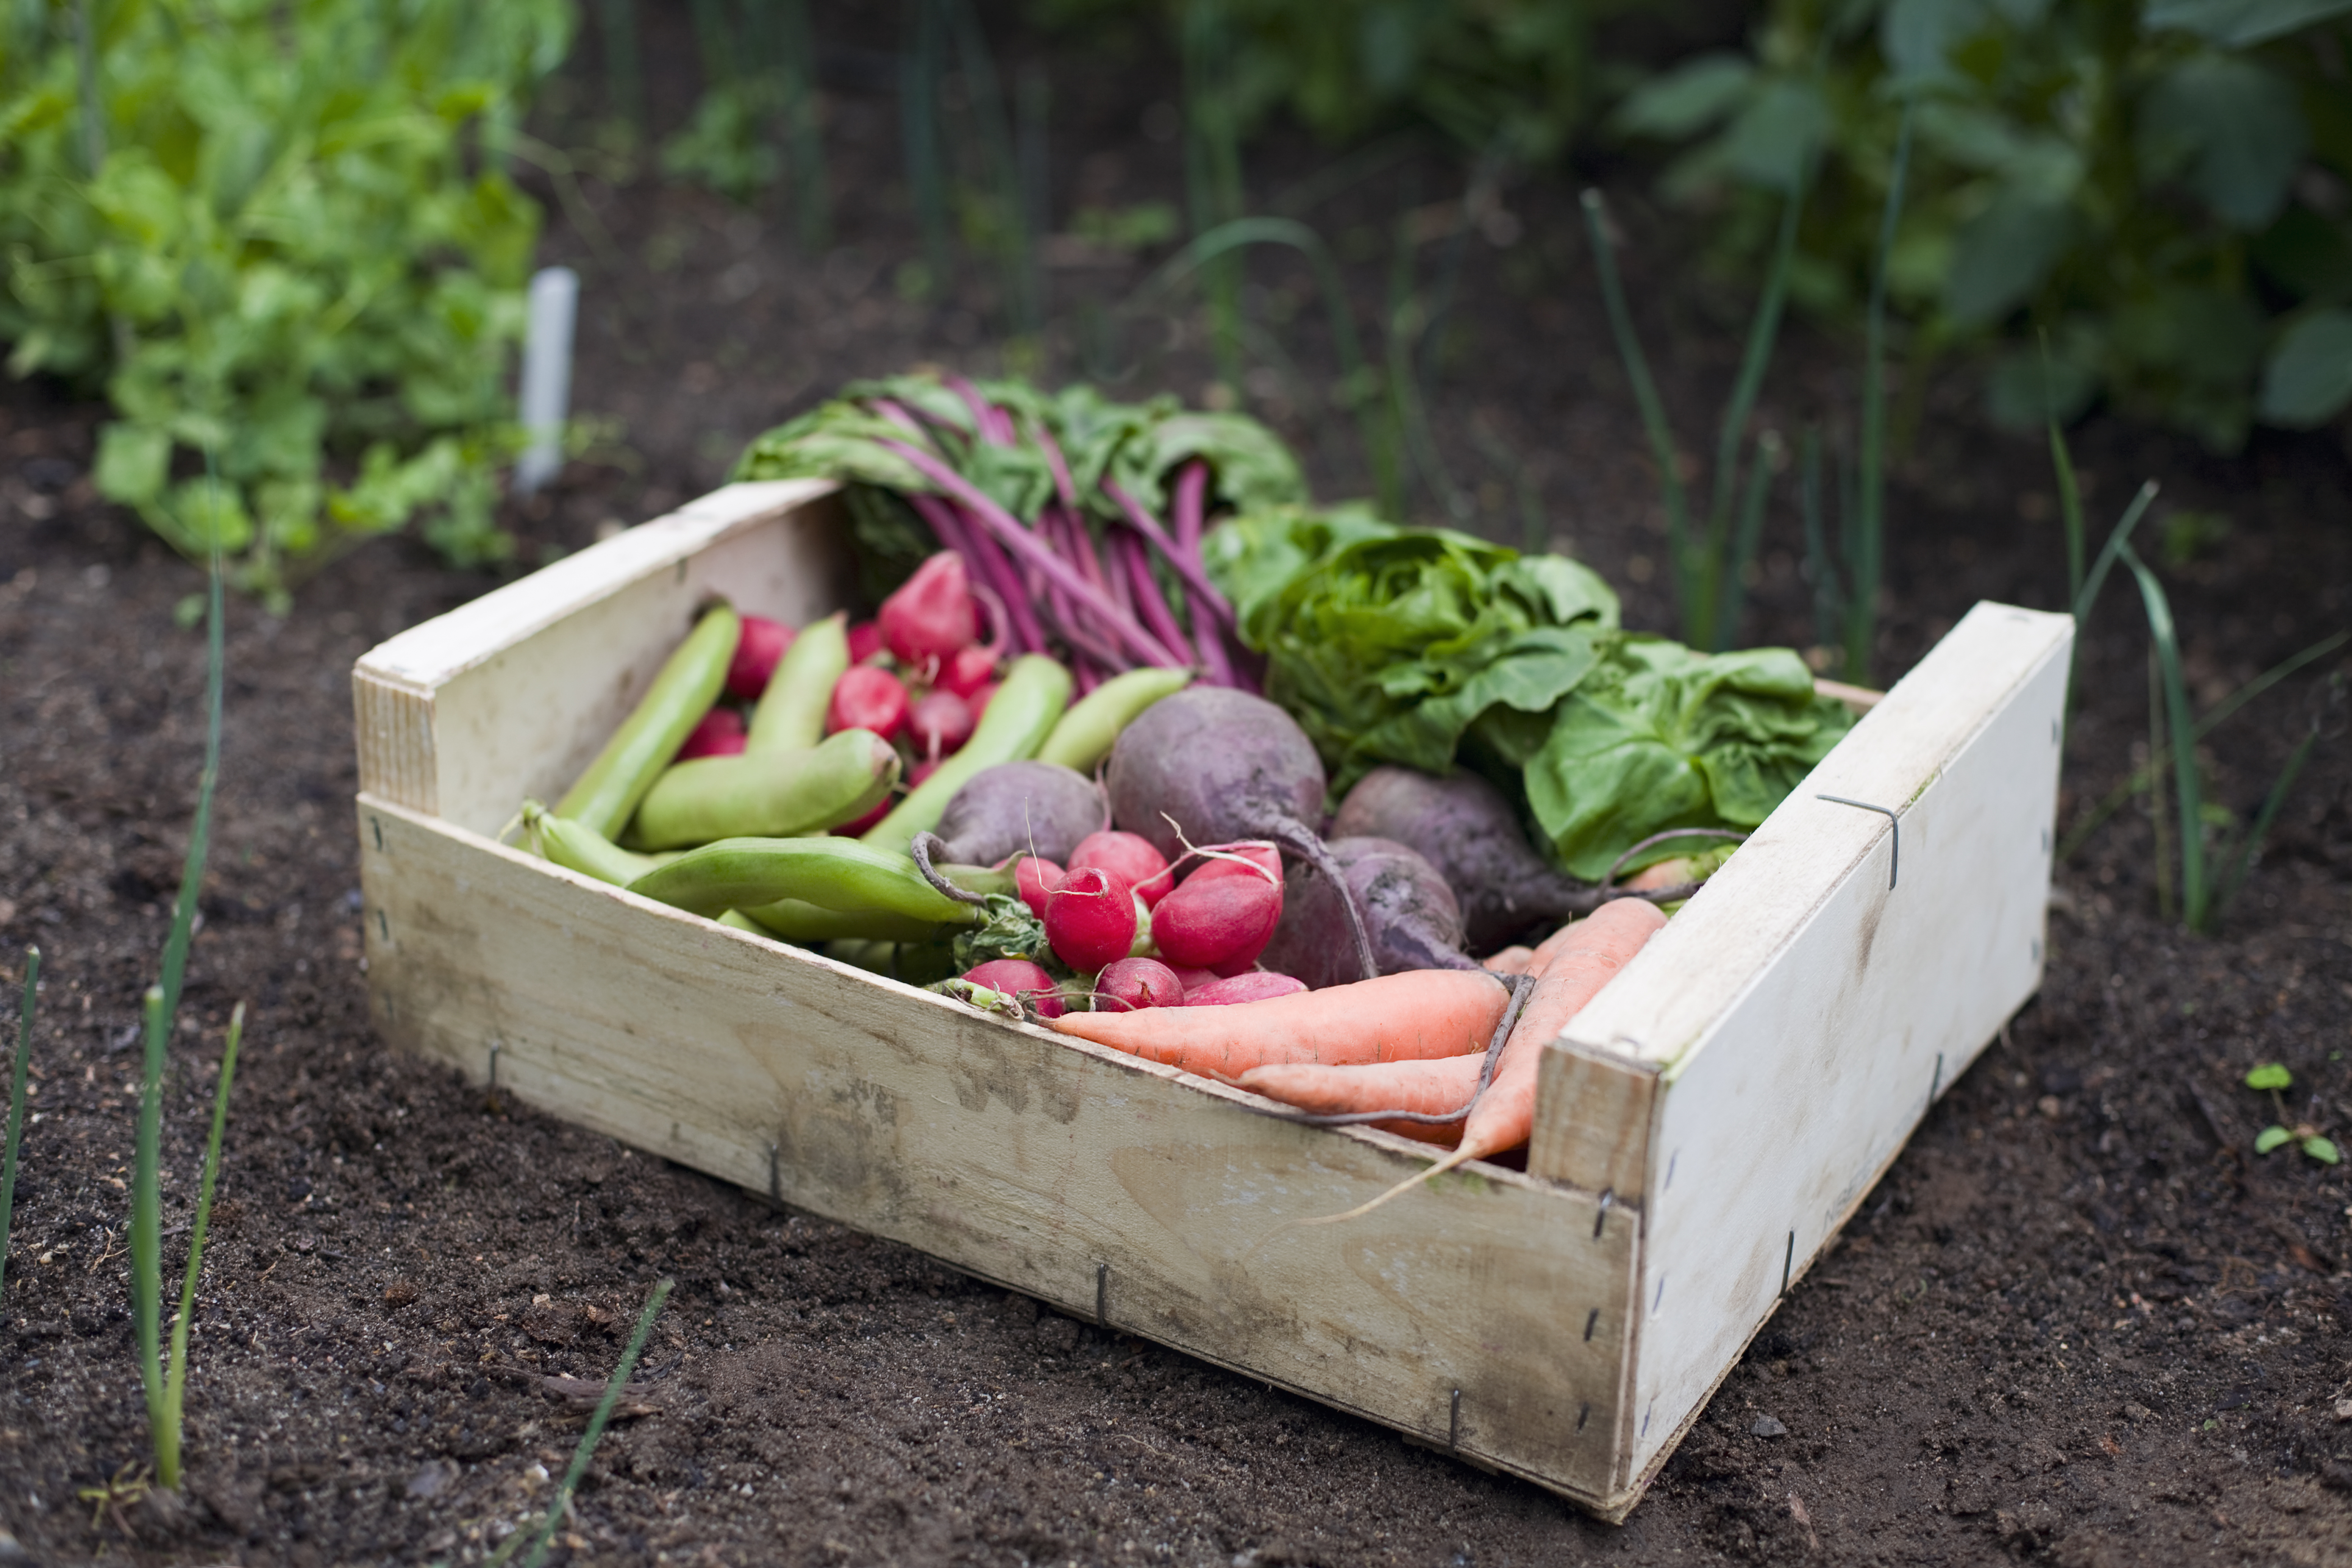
[(1315, 892)]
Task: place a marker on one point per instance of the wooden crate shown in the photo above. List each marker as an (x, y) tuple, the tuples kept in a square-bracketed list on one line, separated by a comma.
[(1703, 1128)]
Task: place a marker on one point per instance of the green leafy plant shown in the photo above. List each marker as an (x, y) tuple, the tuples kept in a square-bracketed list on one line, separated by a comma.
[(281, 235), (2273, 1078), (532, 1543), (166, 1380), (17, 1108), (2128, 174)]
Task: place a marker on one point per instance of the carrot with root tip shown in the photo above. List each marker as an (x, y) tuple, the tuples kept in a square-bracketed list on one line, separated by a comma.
[(1584, 958), (1426, 1099), (1414, 1016)]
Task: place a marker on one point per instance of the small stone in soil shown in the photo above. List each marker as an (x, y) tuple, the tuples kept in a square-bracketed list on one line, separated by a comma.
[(1765, 1426)]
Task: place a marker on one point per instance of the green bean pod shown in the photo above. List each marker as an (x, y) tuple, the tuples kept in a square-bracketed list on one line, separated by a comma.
[(1087, 732), (743, 922), (790, 716), (647, 741), (576, 846), (798, 920), (747, 874), (769, 794), (1034, 691)]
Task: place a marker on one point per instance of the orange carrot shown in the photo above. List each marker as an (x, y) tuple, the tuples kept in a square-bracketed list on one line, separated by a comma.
[(1584, 957), (1429, 1088), (1418, 1015), (1510, 961)]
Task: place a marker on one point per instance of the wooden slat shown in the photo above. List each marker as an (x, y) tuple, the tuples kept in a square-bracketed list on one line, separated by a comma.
[(523, 685), (1593, 1109), (1029, 1159), (1801, 1012)]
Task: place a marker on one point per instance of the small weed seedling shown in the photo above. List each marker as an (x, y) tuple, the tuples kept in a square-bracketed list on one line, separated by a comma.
[(2272, 1077)]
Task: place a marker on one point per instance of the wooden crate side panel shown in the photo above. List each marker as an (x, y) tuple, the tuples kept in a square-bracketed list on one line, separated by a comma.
[(1771, 1129), (1593, 1109), (524, 685), (1072, 1172), (1689, 976)]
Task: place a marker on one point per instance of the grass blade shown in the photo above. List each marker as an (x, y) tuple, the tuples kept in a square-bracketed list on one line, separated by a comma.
[(17, 1108), (175, 1376), (2070, 493), (2188, 789), (146, 1242), (2235, 881), (919, 79), (1645, 394), (2119, 545), (1732, 574), (1869, 562), (2114, 800), (537, 1540), (1828, 606), (1702, 622)]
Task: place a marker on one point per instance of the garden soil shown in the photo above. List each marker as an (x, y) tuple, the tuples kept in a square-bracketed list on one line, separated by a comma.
[(2080, 1320)]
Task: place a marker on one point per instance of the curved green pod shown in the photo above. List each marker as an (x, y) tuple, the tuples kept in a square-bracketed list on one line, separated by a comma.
[(766, 795), (798, 920), (1086, 734), (649, 737), (833, 873), (1028, 703), (576, 846), (790, 716)]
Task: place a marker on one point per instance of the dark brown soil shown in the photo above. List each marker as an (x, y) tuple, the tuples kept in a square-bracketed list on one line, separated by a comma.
[(2081, 1318)]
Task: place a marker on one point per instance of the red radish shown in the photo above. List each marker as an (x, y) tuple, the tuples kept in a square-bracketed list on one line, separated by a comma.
[(1019, 977), (967, 669), (1035, 877), (867, 699), (1262, 855), (720, 735), (1131, 855), (932, 614), (1221, 925), (762, 643), (1258, 985), (923, 770), (940, 723), (1091, 918), (978, 701), (864, 641), (1127, 984), (852, 829), (1192, 979)]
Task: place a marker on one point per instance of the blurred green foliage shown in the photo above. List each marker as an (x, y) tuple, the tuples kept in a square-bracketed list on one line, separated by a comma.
[(2161, 186), (1511, 79), (280, 233)]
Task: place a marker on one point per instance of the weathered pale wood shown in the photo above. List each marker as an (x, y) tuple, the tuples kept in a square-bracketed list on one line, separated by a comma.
[(1803, 1013), (1593, 1109), (1755, 1067), (513, 693), (1061, 1169)]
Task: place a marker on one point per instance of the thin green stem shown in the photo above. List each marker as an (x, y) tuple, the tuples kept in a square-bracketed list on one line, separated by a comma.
[(16, 1107), (2250, 847), (2070, 493), (1733, 603), (1703, 622), (2187, 787), (147, 1243), (175, 1376), (1827, 610), (1869, 566), (2118, 545), (1646, 396), (2113, 801), (537, 1540)]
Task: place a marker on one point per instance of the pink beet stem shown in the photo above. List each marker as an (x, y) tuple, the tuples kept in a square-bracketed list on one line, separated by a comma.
[(1022, 543), (995, 426), (1115, 547), (1151, 603), (1063, 484), (896, 413), (1196, 580), (1191, 492), (1081, 546)]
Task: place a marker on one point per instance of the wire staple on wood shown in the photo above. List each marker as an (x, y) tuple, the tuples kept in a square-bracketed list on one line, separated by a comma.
[(1894, 830)]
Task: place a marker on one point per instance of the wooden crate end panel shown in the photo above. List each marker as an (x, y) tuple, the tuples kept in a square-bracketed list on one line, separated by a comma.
[(393, 724), (1770, 1134), (1692, 973), (1016, 1153), (1593, 1120)]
